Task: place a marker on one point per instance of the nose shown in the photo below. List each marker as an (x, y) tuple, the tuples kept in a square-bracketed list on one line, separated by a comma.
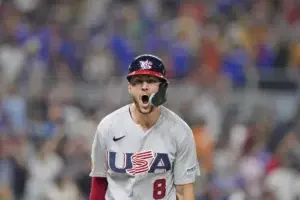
[(145, 86)]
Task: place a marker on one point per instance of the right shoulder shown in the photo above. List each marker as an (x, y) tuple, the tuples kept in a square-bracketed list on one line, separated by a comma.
[(113, 118)]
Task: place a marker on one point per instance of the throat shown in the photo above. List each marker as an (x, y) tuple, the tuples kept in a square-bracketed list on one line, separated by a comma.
[(145, 128), (145, 122)]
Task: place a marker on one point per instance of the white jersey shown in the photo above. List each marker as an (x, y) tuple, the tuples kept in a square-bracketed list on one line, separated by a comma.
[(143, 165)]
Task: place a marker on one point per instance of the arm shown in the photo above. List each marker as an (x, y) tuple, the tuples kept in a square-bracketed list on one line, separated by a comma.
[(99, 166), (185, 192), (186, 168), (98, 189)]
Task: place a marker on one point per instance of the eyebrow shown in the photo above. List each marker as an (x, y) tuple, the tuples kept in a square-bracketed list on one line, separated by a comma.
[(145, 78)]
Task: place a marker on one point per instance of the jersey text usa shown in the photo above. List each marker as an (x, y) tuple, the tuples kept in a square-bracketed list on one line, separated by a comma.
[(138, 163)]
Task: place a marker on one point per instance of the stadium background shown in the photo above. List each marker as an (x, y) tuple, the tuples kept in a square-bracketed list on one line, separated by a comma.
[(234, 72)]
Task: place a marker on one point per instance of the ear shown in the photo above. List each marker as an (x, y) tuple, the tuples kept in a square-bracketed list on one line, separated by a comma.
[(129, 88)]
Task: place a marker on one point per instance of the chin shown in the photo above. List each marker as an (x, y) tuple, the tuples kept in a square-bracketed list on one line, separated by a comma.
[(145, 110)]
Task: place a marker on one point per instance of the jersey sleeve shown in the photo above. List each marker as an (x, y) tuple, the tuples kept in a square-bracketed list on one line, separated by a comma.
[(98, 154), (186, 166)]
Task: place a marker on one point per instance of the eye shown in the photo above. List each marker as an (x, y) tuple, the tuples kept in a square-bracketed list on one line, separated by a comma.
[(152, 81), (136, 82)]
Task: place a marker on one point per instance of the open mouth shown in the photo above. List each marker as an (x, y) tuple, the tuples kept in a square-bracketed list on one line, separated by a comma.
[(145, 99)]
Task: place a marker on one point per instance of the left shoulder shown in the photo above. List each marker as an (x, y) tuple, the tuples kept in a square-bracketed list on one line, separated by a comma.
[(179, 126)]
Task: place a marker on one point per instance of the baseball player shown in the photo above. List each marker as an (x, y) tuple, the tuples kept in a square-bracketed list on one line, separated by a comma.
[(144, 151)]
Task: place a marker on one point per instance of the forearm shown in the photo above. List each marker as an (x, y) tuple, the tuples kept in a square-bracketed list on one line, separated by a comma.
[(98, 188), (185, 192)]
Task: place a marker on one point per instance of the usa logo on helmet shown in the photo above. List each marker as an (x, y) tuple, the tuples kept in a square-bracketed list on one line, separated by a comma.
[(146, 64)]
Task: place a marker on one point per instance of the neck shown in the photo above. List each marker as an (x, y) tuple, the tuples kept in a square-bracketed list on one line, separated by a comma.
[(146, 121)]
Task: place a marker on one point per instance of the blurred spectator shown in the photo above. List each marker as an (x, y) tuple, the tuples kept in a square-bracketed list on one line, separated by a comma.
[(210, 53), (97, 12), (15, 109), (235, 64), (284, 180), (43, 168), (205, 147), (7, 175), (207, 108), (12, 58), (63, 188), (99, 66), (26, 6)]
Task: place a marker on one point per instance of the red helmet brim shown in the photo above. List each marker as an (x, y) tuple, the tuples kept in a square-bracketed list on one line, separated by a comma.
[(146, 72)]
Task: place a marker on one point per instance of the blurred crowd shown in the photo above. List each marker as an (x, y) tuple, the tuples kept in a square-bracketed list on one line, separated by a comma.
[(234, 72)]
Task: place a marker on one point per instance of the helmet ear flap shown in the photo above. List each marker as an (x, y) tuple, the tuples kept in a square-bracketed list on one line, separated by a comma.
[(159, 98), (164, 85)]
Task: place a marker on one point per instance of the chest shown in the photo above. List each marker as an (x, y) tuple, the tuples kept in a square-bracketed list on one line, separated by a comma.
[(138, 152)]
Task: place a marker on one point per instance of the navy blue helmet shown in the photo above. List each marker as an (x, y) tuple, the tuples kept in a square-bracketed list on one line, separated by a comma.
[(147, 64)]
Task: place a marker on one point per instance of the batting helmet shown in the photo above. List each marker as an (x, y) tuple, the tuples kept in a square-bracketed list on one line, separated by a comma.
[(148, 65)]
